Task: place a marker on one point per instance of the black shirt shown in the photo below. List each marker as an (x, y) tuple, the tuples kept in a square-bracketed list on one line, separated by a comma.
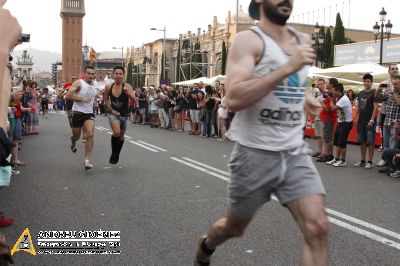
[(210, 104), (192, 102), (365, 106), (142, 101), (121, 103)]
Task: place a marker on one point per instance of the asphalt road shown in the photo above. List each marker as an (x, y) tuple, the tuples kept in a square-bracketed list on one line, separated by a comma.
[(169, 188)]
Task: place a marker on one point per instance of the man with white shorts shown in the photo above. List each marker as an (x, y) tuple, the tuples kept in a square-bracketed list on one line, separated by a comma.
[(266, 83)]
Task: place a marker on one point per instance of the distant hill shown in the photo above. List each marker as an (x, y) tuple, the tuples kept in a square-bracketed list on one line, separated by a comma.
[(42, 59)]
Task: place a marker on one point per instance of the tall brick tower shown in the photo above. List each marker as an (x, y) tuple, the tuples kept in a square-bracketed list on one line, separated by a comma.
[(72, 13)]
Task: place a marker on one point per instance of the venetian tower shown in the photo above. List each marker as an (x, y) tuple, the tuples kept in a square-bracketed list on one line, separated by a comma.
[(72, 13)]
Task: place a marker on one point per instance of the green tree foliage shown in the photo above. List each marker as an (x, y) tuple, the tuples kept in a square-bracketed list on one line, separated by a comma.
[(327, 50), (129, 74), (339, 34), (223, 58)]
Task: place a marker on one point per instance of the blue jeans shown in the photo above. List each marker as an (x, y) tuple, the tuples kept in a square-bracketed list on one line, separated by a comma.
[(122, 120), (207, 123), (388, 138)]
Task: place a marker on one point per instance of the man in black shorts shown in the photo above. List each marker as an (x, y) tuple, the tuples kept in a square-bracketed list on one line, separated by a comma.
[(83, 93), (116, 99)]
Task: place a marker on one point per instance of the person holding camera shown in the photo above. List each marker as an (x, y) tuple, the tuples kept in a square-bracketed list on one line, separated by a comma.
[(383, 88), (390, 96), (10, 33)]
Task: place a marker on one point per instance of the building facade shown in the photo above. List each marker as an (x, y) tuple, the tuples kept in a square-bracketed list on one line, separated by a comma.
[(147, 58), (24, 66)]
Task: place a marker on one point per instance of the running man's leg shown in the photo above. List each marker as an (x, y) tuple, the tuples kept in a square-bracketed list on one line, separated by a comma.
[(89, 131), (76, 134), (118, 126), (309, 213)]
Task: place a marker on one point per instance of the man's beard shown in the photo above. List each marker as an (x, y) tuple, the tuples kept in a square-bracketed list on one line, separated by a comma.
[(272, 13)]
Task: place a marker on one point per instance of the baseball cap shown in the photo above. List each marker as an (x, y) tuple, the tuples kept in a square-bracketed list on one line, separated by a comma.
[(254, 10)]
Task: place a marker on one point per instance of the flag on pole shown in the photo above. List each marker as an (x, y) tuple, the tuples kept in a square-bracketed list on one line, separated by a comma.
[(92, 55)]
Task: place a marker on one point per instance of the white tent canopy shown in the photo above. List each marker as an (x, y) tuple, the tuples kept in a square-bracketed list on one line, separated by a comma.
[(191, 82), (354, 72), (205, 80)]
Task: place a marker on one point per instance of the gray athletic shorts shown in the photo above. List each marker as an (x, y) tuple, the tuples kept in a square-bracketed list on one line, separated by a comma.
[(256, 174)]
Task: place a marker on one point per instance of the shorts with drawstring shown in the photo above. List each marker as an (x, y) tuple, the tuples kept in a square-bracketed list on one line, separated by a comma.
[(256, 174)]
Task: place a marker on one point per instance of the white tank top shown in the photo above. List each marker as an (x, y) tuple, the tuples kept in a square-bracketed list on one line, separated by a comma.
[(86, 91), (276, 121)]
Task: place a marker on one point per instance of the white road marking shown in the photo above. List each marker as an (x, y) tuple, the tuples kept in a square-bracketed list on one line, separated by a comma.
[(103, 128), (99, 128), (128, 137), (153, 146), (362, 223), (340, 223), (366, 233), (108, 132), (143, 146), (200, 169), (206, 166)]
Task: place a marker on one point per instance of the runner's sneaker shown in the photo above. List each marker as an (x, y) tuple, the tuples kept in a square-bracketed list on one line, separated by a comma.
[(316, 154), (359, 164), (331, 162), (368, 166), (339, 163), (87, 165), (381, 163), (395, 174), (203, 254)]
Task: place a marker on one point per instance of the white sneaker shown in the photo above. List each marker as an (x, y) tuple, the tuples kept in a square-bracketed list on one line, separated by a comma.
[(359, 164), (395, 174), (368, 166), (339, 163), (381, 163), (331, 162)]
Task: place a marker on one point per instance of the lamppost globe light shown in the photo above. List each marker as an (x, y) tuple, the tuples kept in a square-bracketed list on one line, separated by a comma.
[(378, 30), (316, 28), (382, 14), (164, 57)]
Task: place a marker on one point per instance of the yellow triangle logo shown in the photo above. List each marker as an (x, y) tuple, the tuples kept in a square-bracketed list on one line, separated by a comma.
[(24, 243)]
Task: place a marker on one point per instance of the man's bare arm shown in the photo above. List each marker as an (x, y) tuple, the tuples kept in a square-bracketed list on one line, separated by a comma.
[(243, 91), (71, 94), (130, 92)]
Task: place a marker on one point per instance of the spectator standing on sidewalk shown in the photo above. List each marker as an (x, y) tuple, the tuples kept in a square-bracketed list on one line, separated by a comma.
[(344, 109), (365, 121), (393, 71), (328, 117), (318, 124)]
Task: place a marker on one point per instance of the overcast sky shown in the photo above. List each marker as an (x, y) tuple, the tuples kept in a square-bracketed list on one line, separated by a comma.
[(127, 22)]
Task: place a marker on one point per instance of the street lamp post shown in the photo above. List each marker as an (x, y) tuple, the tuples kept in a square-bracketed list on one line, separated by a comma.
[(122, 54), (319, 39), (164, 50), (379, 29)]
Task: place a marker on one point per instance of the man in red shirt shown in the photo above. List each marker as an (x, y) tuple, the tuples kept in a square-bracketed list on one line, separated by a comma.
[(328, 117)]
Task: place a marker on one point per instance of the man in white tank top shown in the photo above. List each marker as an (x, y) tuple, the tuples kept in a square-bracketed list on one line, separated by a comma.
[(266, 83), (83, 93)]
